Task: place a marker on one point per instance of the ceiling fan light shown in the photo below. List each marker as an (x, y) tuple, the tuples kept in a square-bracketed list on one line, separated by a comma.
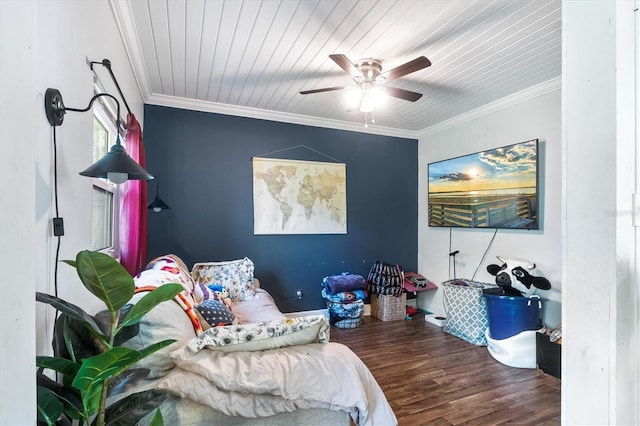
[(378, 96), (353, 97), (367, 103)]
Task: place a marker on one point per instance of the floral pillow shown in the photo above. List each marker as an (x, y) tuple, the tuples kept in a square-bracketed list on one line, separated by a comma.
[(236, 276), (264, 335)]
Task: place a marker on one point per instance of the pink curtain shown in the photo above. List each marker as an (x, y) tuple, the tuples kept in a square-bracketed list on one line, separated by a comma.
[(133, 223)]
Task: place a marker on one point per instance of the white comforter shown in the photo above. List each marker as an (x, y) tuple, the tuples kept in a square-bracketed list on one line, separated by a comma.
[(258, 384)]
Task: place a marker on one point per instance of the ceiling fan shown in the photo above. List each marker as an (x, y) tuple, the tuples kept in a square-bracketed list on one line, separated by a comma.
[(369, 78)]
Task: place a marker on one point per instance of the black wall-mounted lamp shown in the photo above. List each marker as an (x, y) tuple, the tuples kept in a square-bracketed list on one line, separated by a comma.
[(157, 204), (116, 166)]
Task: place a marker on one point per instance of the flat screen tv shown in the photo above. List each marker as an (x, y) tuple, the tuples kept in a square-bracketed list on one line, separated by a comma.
[(497, 188)]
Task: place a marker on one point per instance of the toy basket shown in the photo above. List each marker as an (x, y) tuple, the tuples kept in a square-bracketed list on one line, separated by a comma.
[(466, 310), (389, 308)]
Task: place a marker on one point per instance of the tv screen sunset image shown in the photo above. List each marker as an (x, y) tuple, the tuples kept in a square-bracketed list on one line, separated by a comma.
[(496, 188)]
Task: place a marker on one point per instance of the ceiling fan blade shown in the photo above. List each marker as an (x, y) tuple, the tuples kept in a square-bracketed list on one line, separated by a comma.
[(344, 63), (402, 94), (406, 68), (326, 89)]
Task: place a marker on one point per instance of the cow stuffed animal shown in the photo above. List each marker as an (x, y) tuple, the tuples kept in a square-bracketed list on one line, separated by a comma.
[(514, 278)]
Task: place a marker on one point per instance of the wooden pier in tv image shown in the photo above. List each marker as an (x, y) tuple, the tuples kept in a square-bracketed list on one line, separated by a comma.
[(518, 211)]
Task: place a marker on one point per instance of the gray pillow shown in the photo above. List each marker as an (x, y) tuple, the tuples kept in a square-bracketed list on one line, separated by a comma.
[(166, 321)]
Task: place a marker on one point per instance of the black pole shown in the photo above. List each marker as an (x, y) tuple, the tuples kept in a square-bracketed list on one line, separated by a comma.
[(107, 64)]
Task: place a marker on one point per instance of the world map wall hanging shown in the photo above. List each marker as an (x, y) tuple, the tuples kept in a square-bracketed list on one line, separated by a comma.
[(299, 197)]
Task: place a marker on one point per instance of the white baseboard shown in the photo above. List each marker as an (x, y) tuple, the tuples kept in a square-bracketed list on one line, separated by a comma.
[(366, 311), (324, 312), (434, 318)]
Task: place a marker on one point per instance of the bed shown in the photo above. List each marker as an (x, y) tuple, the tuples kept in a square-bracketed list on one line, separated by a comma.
[(261, 369)]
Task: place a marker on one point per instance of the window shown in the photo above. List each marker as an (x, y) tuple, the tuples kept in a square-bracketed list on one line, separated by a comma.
[(102, 232), (106, 196)]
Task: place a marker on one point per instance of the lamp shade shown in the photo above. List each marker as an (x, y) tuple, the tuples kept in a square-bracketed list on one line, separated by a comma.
[(157, 204), (117, 161)]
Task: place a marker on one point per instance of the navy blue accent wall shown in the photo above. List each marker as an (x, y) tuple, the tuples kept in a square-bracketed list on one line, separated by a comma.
[(203, 162)]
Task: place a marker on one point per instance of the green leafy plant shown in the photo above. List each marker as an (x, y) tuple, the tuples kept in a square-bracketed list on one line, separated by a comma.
[(88, 356)]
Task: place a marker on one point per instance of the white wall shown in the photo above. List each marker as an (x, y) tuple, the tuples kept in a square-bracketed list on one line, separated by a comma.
[(44, 44), (601, 294), (518, 119), (17, 202)]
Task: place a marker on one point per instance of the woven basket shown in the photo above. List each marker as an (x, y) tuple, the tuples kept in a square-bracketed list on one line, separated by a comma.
[(389, 308)]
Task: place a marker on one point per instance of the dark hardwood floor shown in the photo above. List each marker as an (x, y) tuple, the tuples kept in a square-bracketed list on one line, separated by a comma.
[(433, 378)]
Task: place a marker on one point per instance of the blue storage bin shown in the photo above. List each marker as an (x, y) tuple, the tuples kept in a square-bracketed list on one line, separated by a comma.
[(511, 315)]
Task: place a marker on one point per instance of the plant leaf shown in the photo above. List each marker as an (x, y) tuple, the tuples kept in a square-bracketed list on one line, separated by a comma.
[(49, 408), (127, 379), (61, 365), (72, 339), (64, 421), (125, 334), (150, 301), (105, 278), (103, 319), (68, 396), (111, 363), (130, 410), (157, 419), (155, 347), (91, 398), (63, 345), (122, 334), (69, 309), (103, 366)]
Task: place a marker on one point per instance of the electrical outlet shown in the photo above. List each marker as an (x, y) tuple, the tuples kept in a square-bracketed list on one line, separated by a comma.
[(298, 294)]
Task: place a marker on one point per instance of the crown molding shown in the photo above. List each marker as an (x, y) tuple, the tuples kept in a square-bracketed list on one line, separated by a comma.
[(204, 106), (506, 102), (126, 26), (262, 114)]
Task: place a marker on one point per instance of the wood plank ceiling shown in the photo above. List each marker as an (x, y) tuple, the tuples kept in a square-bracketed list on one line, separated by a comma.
[(253, 57)]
